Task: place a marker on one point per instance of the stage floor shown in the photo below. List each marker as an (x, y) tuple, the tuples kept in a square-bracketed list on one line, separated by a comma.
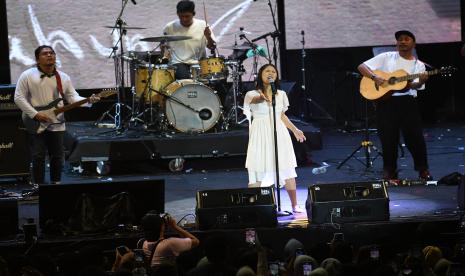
[(416, 203)]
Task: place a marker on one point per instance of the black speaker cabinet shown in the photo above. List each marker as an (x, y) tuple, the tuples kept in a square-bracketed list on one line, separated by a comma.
[(58, 202), (14, 150), (8, 217), (347, 202), (236, 208)]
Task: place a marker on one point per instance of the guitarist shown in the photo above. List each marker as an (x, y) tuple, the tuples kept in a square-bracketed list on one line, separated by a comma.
[(38, 86), (400, 112)]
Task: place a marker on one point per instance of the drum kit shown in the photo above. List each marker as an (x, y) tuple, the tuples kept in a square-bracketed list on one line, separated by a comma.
[(160, 102)]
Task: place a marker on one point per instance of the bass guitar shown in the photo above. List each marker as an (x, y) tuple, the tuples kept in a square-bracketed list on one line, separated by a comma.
[(52, 111)]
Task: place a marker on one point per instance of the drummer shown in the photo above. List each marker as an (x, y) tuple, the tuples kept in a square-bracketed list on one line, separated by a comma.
[(182, 54)]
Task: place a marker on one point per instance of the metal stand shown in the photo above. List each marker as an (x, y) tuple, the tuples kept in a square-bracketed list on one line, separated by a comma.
[(279, 213), (119, 74), (233, 113), (308, 100), (366, 144)]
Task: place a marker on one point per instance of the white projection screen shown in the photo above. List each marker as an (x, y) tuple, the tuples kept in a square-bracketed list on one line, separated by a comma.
[(353, 23), (76, 28)]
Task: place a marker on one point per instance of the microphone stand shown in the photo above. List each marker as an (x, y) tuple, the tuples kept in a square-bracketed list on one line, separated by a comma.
[(275, 134), (275, 54)]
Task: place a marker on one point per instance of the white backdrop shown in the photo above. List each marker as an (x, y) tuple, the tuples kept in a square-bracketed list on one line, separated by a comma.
[(75, 28)]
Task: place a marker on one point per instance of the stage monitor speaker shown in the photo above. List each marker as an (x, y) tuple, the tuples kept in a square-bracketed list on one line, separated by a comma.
[(128, 201), (236, 208), (8, 217), (347, 202)]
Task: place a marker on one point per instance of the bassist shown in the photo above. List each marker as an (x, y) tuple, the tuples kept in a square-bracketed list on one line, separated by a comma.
[(400, 112), (36, 87)]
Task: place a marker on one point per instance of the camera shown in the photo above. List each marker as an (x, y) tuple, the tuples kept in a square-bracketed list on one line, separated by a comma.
[(165, 217), (122, 250), (374, 253), (250, 236), (274, 268), (307, 269), (139, 255)]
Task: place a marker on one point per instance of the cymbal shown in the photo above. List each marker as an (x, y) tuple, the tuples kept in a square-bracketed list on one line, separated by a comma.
[(239, 33), (237, 47), (166, 38), (126, 27)]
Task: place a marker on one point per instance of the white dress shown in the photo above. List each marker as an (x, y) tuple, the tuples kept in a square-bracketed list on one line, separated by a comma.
[(260, 161)]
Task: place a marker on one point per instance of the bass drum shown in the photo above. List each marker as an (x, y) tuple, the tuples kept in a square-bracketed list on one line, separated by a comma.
[(193, 107)]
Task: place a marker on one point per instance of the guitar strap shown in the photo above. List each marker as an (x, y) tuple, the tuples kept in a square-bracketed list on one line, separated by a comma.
[(59, 86)]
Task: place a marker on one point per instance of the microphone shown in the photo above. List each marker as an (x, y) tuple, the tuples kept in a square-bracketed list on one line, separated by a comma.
[(272, 84), (134, 2)]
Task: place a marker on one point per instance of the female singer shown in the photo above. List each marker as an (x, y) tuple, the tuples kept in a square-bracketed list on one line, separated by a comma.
[(260, 161)]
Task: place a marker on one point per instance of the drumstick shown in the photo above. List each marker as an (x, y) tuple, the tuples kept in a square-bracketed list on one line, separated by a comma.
[(205, 14)]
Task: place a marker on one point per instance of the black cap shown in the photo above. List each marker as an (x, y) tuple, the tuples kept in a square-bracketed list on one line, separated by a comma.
[(404, 32)]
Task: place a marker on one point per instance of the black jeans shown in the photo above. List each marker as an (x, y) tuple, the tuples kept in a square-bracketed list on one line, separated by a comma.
[(401, 114), (51, 142)]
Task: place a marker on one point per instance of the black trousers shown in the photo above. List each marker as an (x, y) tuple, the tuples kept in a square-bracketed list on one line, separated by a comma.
[(396, 115), (51, 142)]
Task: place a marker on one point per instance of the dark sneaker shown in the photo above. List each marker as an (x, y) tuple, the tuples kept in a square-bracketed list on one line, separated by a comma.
[(425, 175)]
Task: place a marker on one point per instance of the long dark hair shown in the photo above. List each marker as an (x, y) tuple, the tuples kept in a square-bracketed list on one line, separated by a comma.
[(260, 85)]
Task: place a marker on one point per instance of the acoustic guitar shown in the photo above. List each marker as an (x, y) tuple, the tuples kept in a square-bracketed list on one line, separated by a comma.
[(52, 111), (395, 81)]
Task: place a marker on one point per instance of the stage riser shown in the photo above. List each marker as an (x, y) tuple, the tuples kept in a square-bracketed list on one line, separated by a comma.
[(87, 143)]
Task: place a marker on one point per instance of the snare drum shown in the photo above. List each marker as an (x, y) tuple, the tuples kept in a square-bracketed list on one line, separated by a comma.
[(193, 106), (212, 69), (162, 75), (195, 71)]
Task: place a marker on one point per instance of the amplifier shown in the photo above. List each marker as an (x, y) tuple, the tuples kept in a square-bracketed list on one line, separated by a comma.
[(347, 202), (14, 149)]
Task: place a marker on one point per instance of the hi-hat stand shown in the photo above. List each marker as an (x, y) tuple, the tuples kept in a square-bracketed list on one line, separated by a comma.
[(119, 75)]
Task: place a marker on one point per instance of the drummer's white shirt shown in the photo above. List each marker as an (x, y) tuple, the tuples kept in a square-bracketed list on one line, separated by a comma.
[(191, 50)]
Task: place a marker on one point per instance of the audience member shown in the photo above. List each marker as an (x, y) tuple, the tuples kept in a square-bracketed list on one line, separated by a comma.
[(159, 250), (332, 266), (216, 258), (303, 261)]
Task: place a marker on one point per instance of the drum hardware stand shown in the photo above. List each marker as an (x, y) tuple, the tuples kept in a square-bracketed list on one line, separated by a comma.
[(136, 117), (119, 74), (233, 112), (366, 144)]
